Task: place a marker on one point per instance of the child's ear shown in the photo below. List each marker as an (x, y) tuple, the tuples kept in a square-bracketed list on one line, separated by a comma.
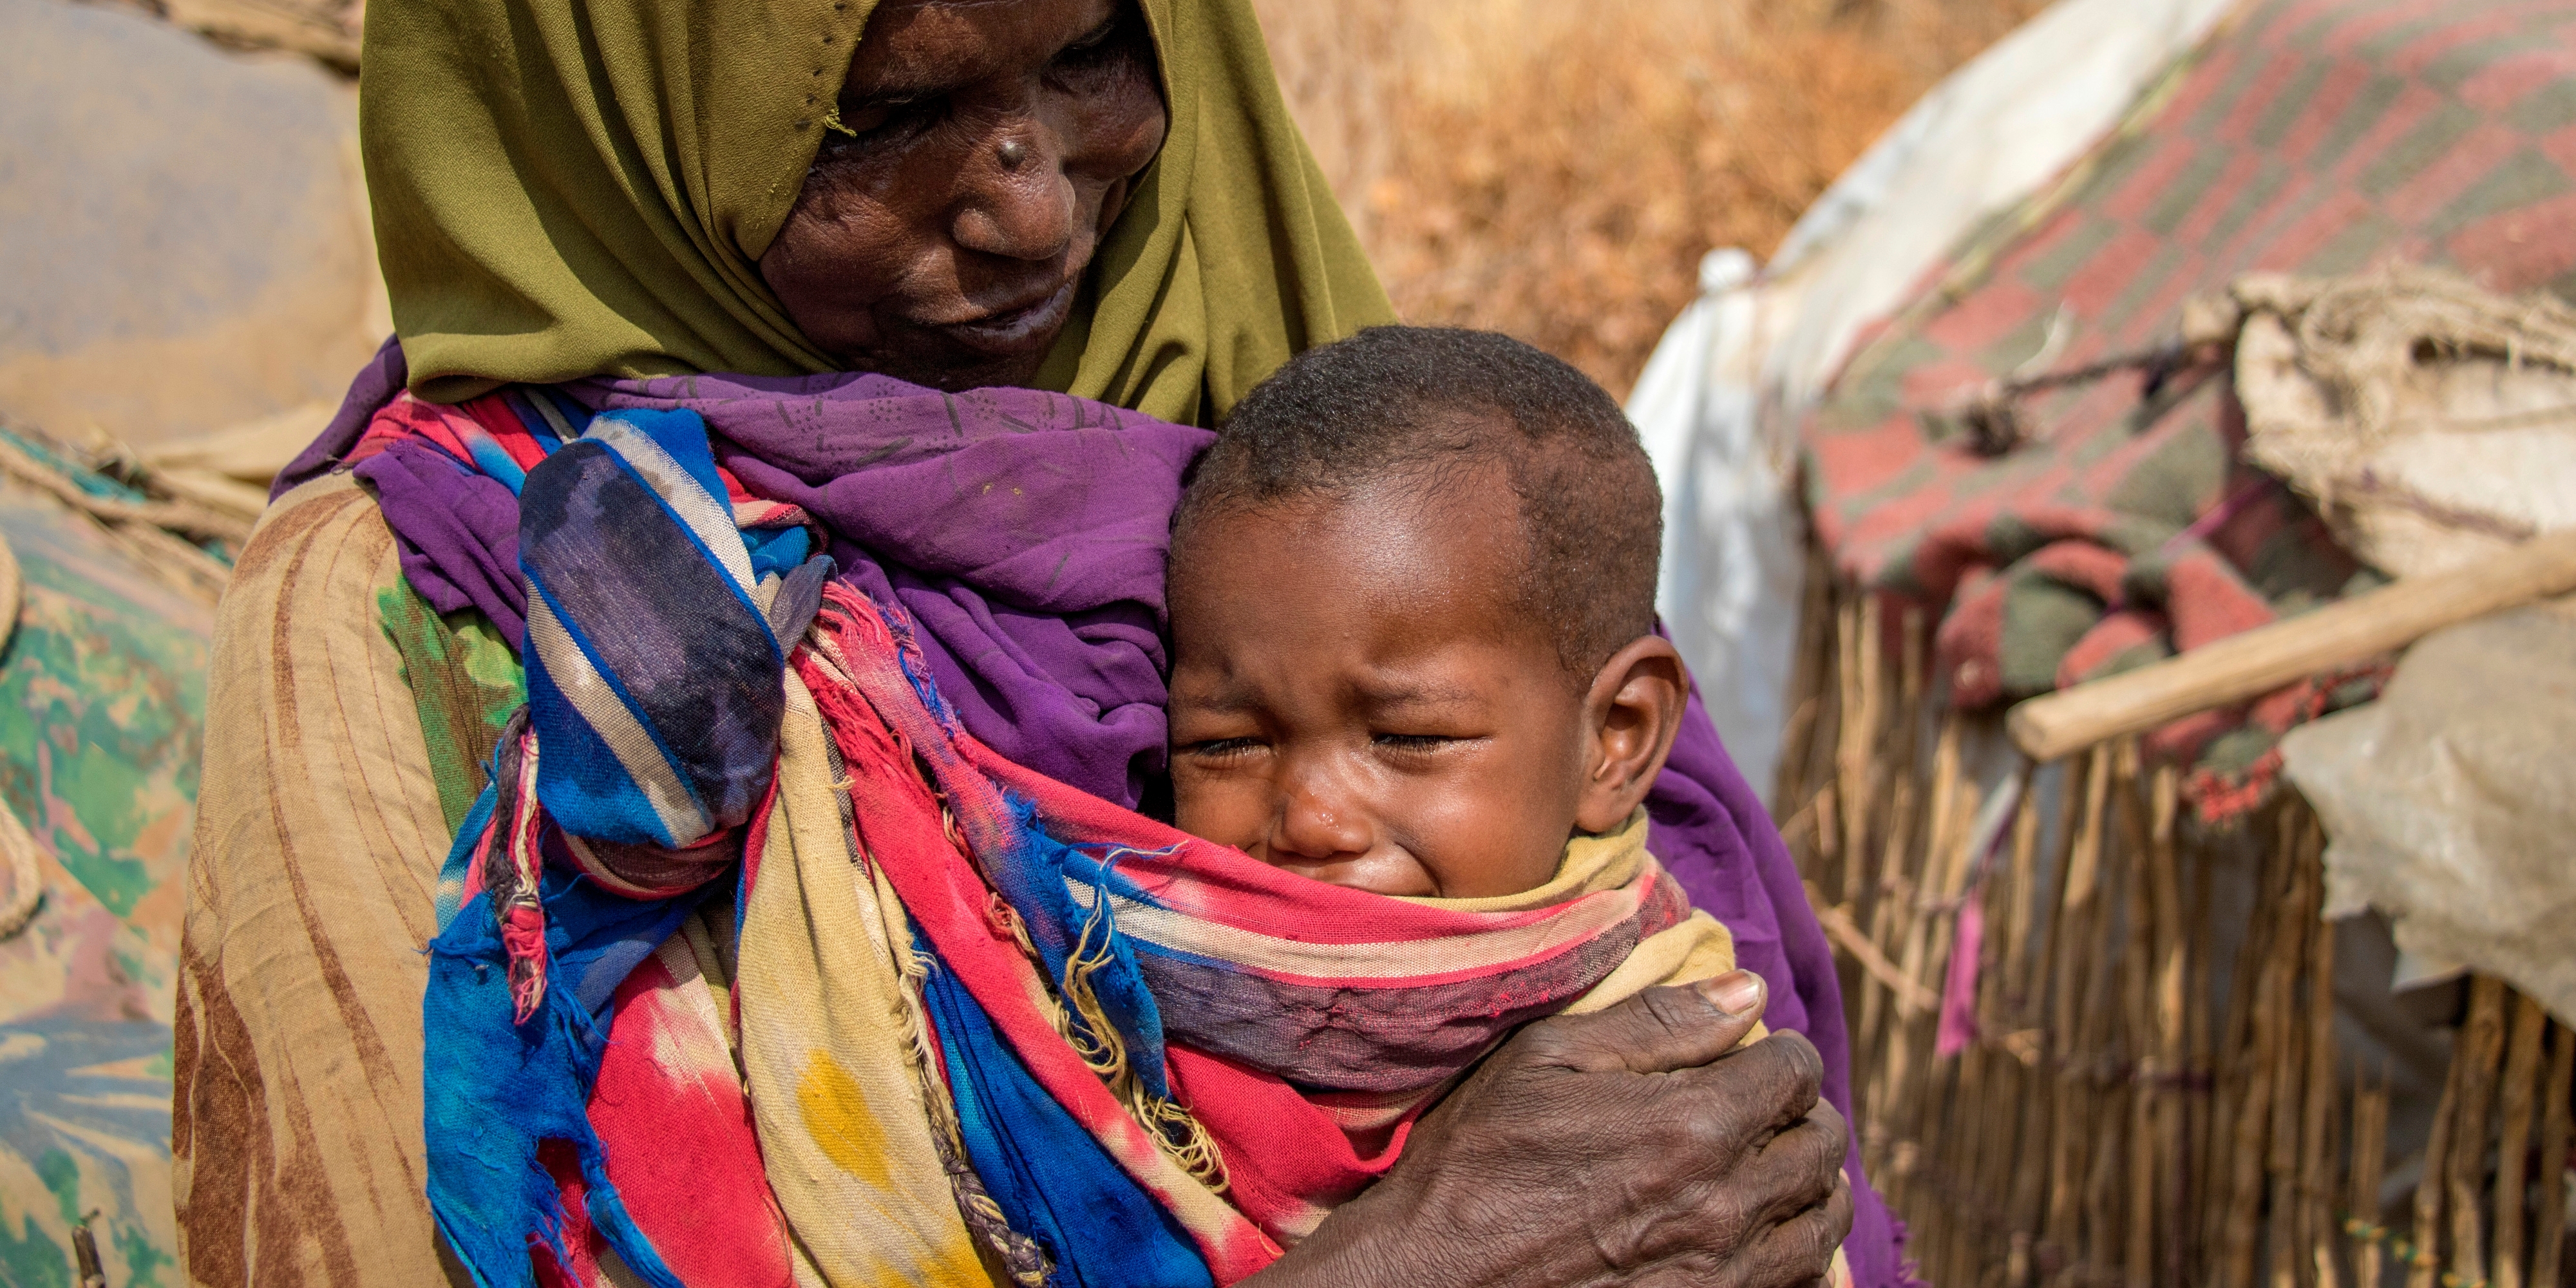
[(1631, 716)]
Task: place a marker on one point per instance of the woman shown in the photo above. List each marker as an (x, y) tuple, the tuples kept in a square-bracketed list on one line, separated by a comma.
[(584, 208)]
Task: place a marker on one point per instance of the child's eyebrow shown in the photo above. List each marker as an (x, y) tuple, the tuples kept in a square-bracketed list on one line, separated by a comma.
[(1225, 701), (1416, 693)]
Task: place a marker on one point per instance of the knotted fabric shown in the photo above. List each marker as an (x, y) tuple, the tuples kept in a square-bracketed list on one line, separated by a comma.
[(1021, 537), (1086, 1011), (665, 724)]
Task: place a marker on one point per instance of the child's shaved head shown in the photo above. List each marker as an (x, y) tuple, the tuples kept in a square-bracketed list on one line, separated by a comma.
[(1413, 605), (1422, 407)]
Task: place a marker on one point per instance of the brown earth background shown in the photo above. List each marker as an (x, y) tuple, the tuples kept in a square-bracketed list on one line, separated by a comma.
[(1550, 168), (1555, 168)]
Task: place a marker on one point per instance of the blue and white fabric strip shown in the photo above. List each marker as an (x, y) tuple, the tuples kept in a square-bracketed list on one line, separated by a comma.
[(654, 672)]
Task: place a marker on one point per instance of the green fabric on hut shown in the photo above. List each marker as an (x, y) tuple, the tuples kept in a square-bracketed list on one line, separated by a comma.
[(2314, 138), (102, 722), (570, 190)]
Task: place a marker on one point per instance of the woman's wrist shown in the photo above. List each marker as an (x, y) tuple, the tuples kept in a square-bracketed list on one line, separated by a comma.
[(1627, 1146), (1379, 1238)]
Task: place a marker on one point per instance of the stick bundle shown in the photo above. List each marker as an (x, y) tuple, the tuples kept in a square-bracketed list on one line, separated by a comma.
[(2147, 1091)]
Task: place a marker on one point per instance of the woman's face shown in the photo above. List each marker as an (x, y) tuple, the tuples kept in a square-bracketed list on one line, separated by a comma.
[(991, 145)]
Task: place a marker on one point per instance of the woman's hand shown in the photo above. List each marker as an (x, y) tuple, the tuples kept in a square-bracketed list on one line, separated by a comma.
[(1636, 1146)]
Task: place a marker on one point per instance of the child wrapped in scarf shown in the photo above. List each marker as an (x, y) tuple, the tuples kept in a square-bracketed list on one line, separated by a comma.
[(1414, 654), (756, 963)]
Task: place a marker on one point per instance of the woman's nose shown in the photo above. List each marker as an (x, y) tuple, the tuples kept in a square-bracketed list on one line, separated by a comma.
[(1019, 203)]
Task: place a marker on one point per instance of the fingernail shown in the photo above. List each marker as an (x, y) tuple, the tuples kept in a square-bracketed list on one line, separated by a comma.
[(1734, 992)]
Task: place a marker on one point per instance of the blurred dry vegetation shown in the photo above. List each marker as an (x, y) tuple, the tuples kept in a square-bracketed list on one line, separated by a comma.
[(1550, 168), (1556, 168)]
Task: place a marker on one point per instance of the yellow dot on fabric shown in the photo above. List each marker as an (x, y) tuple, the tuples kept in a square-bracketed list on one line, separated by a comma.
[(836, 1116)]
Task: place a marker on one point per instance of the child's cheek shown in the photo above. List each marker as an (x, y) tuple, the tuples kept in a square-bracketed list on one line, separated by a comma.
[(1480, 836)]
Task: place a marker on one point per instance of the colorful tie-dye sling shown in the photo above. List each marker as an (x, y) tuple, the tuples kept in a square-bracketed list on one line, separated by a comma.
[(959, 1022)]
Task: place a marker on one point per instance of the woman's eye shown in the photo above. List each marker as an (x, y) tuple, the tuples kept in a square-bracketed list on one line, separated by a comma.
[(1105, 46), (876, 124)]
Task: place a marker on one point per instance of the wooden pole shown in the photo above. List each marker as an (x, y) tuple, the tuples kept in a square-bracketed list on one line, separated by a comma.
[(1917, 1086), (2424, 1268), (2025, 875), (1910, 907), (2000, 1017), (1947, 1084), (2173, 1182), (1892, 885), (2290, 1058), (2323, 1265), (2142, 972), (2549, 1232), (2369, 1160), (2513, 1154), (2258, 661), (1850, 745), (2316, 1201), (2481, 1049), (2232, 1066), (2200, 970), (1886, 892), (1789, 782), (2247, 1157), (2105, 1051), (2075, 922), (2030, 993), (1994, 1122), (1857, 782)]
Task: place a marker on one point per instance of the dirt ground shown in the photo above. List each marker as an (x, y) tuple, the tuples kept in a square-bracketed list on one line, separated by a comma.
[(1556, 170)]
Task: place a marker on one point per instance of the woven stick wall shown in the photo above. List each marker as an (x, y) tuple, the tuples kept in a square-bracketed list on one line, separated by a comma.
[(2140, 1085)]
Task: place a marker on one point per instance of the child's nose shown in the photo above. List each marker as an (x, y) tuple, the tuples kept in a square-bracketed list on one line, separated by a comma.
[(1318, 822)]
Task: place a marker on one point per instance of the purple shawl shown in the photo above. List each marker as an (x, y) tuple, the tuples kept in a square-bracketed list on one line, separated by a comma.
[(1025, 533)]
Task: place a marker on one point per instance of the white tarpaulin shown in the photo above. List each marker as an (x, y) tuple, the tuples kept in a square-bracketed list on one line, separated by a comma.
[(1720, 400), (2450, 801)]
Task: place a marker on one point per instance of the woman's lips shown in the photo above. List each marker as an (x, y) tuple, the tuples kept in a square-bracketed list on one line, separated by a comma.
[(1013, 332)]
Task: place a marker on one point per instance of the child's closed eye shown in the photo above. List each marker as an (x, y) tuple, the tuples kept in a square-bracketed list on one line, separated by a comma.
[(1220, 750), (1414, 742)]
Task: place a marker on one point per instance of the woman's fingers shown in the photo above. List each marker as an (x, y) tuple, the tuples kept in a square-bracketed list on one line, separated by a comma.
[(1657, 1031), (1799, 1250), (1750, 1176), (1776, 1080), (1792, 1253), (1799, 1168), (1635, 1146)]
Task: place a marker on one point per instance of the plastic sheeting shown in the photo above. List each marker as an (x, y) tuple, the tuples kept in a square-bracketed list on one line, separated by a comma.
[(1720, 401), (102, 721), (2450, 800), (188, 244)]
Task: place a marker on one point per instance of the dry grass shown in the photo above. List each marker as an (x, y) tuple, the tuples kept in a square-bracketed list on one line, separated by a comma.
[(1549, 168), (1556, 169)]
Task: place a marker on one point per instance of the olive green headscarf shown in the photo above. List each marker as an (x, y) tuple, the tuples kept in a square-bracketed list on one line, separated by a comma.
[(567, 188)]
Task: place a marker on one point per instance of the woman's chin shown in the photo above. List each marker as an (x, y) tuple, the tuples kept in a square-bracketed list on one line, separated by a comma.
[(1013, 333), (935, 361)]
